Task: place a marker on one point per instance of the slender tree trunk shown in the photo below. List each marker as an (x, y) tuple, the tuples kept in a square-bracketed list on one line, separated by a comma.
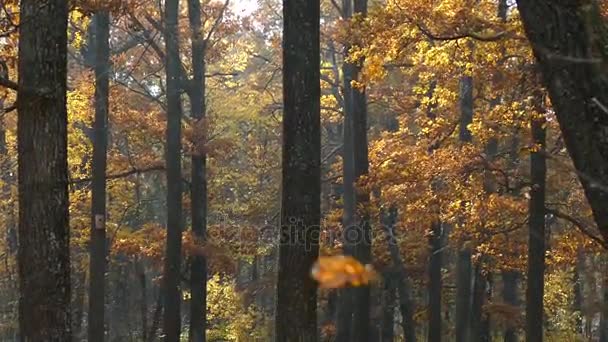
[(198, 267), (296, 305), (362, 294), (464, 265), (536, 247), (510, 296), (435, 282), (388, 309), (97, 263), (346, 297), (44, 234), (401, 281), (172, 270)]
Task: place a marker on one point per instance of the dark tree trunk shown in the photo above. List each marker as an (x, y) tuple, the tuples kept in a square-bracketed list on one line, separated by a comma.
[(480, 323), (97, 263), (509, 295), (435, 282), (578, 89), (172, 270), (346, 297), (401, 281), (463, 295), (296, 307), (198, 266), (387, 331), (536, 245), (464, 265), (362, 299), (44, 235)]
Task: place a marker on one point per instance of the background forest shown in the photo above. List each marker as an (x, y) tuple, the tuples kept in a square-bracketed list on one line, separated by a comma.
[(438, 142)]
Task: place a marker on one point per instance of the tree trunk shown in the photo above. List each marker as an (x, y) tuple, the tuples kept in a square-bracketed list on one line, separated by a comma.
[(578, 88), (509, 295), (44, 234), (363, 246), (388, 309), (578, 280), (435, 282), (97, 263), (464, 265), (536, 245), (198, 267), (172, 270), (346, 297), (401, 281), (296, 311)]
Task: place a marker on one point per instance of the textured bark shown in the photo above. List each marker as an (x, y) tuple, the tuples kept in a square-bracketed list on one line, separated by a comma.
[(97, 264), (143, 304), (578, 89), (172, 269), (510, 296), (536, 245), (44, 243), (463, 264), (198, 194), (480, 323), (296, 312)]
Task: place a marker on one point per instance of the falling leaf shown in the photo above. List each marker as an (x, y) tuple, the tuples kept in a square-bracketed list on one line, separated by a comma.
[(340, 271)]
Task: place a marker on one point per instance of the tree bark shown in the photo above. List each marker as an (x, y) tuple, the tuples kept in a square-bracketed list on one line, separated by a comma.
[(435, 282), (198, 194), (97, 263), (172, 269), (346, 297), (44, 235), (509, 295), (401, 281), (296, 312), (363, 246), (387, 330), (536, 245), (464, 265), (578, 87)]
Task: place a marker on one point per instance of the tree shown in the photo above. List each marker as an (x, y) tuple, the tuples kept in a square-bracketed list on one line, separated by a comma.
[(198, 190), (97, 263), (44, 234), (172, 272), (536, 244), (295, 315), (569, 48)]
